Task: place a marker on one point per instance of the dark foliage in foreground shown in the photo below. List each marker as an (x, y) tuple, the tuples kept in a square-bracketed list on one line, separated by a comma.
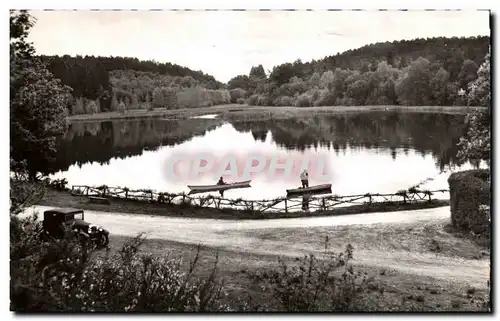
[(470, 197), (49, 275), (71, 276), (313, 284)]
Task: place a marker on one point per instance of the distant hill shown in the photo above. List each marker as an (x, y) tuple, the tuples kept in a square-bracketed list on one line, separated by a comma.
[(370, 75), (107, 81), (434, 71), (450, 52)]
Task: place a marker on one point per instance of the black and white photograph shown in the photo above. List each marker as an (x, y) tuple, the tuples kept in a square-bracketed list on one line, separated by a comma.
[(259, 160)]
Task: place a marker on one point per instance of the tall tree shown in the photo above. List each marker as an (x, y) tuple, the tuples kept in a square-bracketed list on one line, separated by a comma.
[(37, 104), (240, 81), (480, 89), (476, 143), (467, 74), (258, 73), (439, 86), (414, 87)]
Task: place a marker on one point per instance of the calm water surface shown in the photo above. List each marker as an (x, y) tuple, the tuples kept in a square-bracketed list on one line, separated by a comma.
[(372, 152)]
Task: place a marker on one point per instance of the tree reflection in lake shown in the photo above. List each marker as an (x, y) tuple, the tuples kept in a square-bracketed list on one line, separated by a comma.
[(102, 141), (412, 146), (433, 133)]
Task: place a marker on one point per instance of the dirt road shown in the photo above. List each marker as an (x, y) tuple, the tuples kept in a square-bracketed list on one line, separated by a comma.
[(252, 236)]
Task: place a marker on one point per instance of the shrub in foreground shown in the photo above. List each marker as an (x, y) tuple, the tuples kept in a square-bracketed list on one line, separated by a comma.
[(312, 284), (71, 276), (469, 192)]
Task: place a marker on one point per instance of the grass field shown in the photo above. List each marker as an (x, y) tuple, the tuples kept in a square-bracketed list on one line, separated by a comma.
[(244, 111)]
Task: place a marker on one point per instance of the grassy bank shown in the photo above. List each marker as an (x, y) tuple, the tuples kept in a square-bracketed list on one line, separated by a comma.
[(245, 112), (389, 289), (65, 199)]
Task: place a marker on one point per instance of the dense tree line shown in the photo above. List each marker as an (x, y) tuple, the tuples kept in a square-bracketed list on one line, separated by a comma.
[(103, 83), (138, 89), (437, 71)]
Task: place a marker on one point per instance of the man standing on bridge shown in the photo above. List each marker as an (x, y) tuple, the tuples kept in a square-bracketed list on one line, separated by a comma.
[(304, 177)]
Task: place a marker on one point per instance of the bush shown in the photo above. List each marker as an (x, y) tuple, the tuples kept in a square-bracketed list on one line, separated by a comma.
[(72, 276), (469, 190), (284, 101), (122, 95), (326, 98), (252, 100), (240, 101), (329, 284), (226, 96), (158, 99), (91, 107), (134, 104), (217, 97), (193, 97), (78, 107), (23, 191), (303, 101), (263, 100), (475, 145), (69, 275), (170, 97), (114, 103), (347, 101), (315, 94), (236, 94), (121, 108)]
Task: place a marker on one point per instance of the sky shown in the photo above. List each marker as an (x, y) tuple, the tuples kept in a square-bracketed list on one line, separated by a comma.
[(228, 43)]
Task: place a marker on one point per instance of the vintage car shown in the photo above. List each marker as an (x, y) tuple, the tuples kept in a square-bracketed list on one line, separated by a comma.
[(57, 221)]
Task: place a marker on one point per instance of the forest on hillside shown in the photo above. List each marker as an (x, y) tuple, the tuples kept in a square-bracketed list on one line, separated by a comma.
[(420, 72), (112, 83), (436, 71)]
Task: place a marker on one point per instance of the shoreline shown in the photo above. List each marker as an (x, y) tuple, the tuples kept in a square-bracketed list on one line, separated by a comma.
[(235, 110), (65, 199)]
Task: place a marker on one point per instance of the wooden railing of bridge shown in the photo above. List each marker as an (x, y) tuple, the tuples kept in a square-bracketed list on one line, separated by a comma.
[(295, 203)]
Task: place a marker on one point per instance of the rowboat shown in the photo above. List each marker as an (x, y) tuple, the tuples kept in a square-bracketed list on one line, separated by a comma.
[(310, 189), (212, 188)]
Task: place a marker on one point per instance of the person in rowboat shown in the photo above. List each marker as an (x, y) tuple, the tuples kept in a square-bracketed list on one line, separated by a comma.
[(304, 177), (221, 181)]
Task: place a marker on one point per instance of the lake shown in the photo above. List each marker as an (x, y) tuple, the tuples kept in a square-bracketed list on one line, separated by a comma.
[(366, 152)]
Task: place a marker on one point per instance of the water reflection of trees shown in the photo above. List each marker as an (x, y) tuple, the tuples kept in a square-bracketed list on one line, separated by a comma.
[(433, 133), (101, 141)]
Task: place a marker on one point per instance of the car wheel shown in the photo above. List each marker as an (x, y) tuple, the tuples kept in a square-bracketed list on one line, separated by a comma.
[(106, 240), (103, 241)]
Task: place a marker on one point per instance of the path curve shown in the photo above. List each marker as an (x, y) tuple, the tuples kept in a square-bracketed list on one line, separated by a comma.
[(226, 234)]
